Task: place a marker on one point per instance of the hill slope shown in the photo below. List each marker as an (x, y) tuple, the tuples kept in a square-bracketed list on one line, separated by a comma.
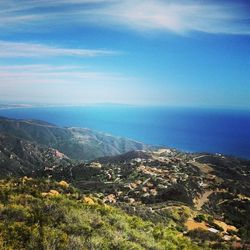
[(203, 196), (19, 157), (76, 143), (216, 188), (41, 215)]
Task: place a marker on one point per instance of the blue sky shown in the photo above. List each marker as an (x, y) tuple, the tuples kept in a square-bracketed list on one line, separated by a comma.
[(146, 52)]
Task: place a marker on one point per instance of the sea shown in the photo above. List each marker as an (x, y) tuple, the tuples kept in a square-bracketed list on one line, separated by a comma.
[(209, 130)]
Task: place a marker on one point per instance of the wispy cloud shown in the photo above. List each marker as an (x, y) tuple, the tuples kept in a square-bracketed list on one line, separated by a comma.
[(14, 49), (172, 16), (66, 84), (32, 74), (229, 17)]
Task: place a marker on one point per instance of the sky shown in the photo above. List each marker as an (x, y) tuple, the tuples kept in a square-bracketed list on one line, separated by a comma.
[(140, 52)]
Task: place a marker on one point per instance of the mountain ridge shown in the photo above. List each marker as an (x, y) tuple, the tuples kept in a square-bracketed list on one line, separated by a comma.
[(77, 143)]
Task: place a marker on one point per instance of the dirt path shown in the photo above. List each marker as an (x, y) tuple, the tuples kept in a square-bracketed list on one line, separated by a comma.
[(204, 168), (203, 199)]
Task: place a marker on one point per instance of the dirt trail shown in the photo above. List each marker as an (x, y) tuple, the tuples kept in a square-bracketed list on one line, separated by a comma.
[(204, 168), (204, 198)]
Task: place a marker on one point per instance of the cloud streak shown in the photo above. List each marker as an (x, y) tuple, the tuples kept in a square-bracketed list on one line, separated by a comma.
[(14, 49), (172, 16), (66, 84), (228, 17), (33, 74)]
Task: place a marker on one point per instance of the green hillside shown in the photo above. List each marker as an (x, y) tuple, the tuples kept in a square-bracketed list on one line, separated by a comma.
[(40, 214), (19, 157), (76, 143), (143, 199)]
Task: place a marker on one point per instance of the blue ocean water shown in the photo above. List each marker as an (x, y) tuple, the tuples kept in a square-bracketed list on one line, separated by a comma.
[(188, 129)]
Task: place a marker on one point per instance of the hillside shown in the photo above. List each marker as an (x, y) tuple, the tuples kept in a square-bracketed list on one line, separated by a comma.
[(213, 188), (38, 214), (202, 197), (19, 157), (76, 143)]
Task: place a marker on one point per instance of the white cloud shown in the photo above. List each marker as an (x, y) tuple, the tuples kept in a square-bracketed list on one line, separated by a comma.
[(15, 49), (67, 84), (177, 17), (141, 15), (34, 74)]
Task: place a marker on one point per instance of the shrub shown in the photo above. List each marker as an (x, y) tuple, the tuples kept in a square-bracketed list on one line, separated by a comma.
[(200, 218), (31, 221)]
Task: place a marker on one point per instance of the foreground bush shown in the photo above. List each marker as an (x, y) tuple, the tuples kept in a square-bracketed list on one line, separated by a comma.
[(39, 214)]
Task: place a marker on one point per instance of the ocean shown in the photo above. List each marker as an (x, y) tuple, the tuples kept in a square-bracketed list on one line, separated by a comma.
[(188, 129)]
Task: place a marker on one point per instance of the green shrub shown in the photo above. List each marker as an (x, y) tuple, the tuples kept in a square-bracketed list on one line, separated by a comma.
[(200, 218), (30, 220)]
